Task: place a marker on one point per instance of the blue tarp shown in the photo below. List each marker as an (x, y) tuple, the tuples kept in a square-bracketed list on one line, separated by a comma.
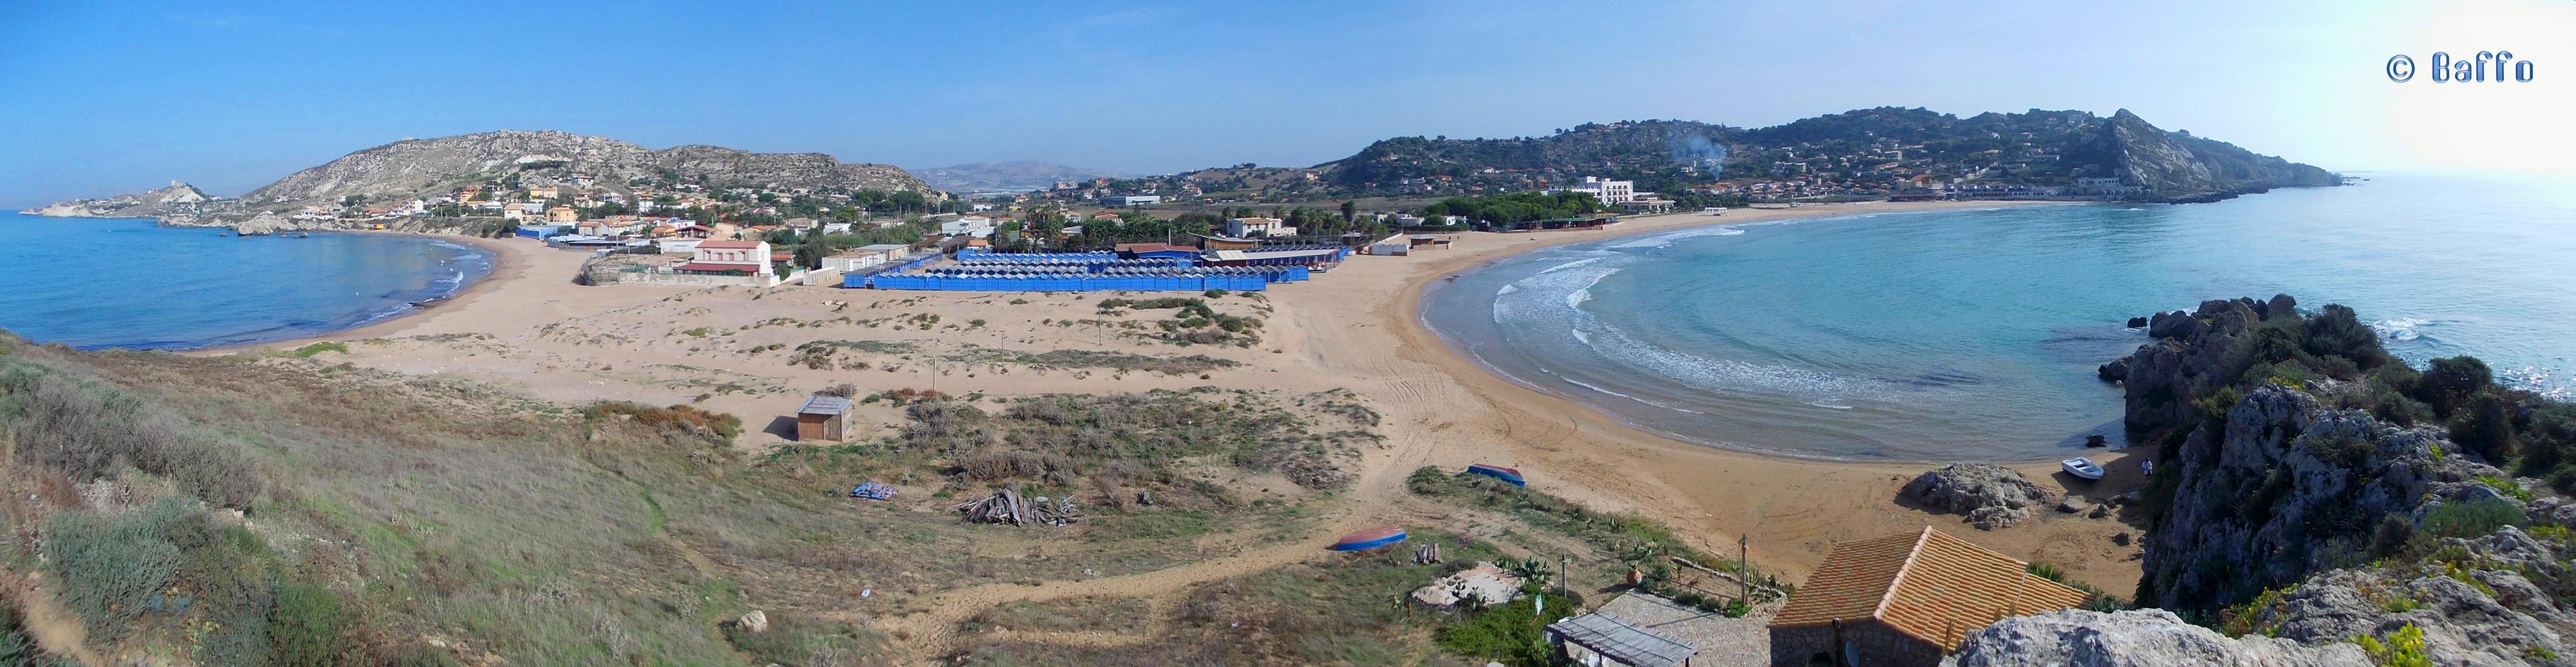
[(873, 491)]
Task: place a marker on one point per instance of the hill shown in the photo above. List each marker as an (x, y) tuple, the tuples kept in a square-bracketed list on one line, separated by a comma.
[(1014, 176), (1861, 153), (418, 166), (506, 159)]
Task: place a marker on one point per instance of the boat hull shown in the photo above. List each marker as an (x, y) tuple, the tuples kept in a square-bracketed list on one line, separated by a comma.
[(1498, 472)]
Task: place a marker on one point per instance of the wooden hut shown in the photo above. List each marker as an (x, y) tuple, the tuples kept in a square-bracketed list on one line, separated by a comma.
[(1905, 600), (821, 418)]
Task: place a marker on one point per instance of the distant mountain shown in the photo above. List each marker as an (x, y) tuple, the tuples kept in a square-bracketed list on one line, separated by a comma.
[(1017, 176), (1868, 147), (1863, 152)]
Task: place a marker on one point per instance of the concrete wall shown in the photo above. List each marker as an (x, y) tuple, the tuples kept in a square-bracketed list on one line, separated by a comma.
[(608, 276)]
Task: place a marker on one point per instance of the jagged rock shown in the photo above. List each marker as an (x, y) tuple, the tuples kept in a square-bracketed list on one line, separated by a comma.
[(2178, 167), (2281, 304), (2073, 506), (2121, 539), (2099, 511), (2176, 324), (2137, 638), (754, 622), (2137, 323), (2115, 371), (2462, 624), (1992, 496)]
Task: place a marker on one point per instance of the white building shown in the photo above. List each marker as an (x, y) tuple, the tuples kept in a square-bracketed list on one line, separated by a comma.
[(751, 256), (974, 225), (866, 256), (1608, 191), (1248, 227), (1131, 200)]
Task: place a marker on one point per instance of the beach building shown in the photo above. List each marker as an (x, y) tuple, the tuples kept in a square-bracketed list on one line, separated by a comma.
[(866, 256), (729, 257), (1246, 227), (1608, 191), (1207, 242), (821, 418), (1906, 600), (1643, 630), (1156, 251), (976, 226)]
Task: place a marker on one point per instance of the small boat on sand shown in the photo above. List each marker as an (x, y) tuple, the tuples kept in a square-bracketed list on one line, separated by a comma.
[(1369, 539), (2082, 467), (1509, 475)]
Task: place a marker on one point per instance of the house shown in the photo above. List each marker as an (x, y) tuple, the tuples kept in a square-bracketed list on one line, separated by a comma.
[(1906, 599), (821, 418), (802, 224), (729, 257), (974, 225), (1131, 200), (866, 256), (1248, 227), (677, 244), (562, 214), (1644, 630), (836, 228), (514, 213), (544, 192)]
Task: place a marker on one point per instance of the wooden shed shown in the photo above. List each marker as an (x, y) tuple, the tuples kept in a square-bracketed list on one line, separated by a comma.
[(1905, 600), (821, 418)]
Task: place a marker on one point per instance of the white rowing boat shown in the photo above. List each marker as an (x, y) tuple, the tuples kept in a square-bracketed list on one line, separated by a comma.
[(2082, 467)]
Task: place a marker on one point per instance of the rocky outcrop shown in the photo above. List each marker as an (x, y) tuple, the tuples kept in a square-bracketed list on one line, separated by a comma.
[(1991, 496), (178, 198), (2178, 167), (2139, 638), (2277, 510)]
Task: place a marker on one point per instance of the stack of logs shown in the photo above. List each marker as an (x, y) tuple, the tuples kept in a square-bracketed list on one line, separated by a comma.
[(1008, 506)]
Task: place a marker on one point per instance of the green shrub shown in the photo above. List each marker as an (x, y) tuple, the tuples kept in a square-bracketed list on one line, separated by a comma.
[(2470, 519), (308, 351), (2404, 648), (2508, 487), (1512, 634), (112, 569), (309, 627)]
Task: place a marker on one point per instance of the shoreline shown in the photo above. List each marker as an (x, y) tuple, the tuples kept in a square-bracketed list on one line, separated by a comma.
[(1422, 314), (1790, 508), (506, 267)]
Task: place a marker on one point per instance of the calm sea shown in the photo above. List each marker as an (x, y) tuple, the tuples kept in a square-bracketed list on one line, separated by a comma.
[(96, 283), (1973, 334)]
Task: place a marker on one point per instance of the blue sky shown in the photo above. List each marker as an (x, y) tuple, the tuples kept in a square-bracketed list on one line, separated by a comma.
[(109, 97)]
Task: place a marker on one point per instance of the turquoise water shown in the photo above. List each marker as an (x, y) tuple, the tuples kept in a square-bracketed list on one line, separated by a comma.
[(98, 283), (1973, 334)]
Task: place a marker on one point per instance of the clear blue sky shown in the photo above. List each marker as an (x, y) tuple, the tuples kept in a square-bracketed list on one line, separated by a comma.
[(107, 97)]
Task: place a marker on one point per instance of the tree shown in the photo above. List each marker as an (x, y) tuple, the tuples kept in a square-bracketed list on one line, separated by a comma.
[(1350, 210), (2448, 383)]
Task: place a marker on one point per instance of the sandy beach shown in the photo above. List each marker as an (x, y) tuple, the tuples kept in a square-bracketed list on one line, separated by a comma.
[(527, 328)]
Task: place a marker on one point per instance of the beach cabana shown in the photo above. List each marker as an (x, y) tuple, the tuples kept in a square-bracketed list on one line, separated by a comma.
[(821, 418), (1369, 539)]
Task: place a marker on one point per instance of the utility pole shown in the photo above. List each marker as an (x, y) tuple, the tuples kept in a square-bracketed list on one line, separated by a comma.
[(1744, 569)]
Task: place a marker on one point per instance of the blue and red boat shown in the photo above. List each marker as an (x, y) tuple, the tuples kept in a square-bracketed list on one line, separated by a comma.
[(1512, 475), (1369, 539)]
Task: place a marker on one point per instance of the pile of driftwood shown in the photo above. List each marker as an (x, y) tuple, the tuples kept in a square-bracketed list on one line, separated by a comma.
[(1008, 506)]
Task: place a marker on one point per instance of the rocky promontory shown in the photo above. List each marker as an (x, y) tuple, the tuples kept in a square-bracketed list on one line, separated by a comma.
[(177, 199), (2312, 488)]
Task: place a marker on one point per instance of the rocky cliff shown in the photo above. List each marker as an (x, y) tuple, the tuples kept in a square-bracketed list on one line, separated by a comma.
[(2178, 167), (2309, 488), (178, 198)]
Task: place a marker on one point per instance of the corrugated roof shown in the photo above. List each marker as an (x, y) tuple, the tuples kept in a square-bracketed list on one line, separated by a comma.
[(1623, 641), (824, 405), (1928, 585)]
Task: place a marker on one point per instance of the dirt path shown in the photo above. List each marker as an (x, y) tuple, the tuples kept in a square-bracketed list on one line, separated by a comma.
[(55, 629)]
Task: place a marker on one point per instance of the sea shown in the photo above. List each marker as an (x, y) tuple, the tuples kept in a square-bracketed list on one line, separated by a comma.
[(1973, 335), (94, 283)]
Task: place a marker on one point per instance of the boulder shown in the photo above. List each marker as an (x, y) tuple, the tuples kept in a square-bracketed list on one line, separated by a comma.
[(2115, 371), (2137, 323), (2073, 506), (2099, 511), (1991, 496), (2138, 638), (2280, 305), (754, 622), (2176, 324)]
